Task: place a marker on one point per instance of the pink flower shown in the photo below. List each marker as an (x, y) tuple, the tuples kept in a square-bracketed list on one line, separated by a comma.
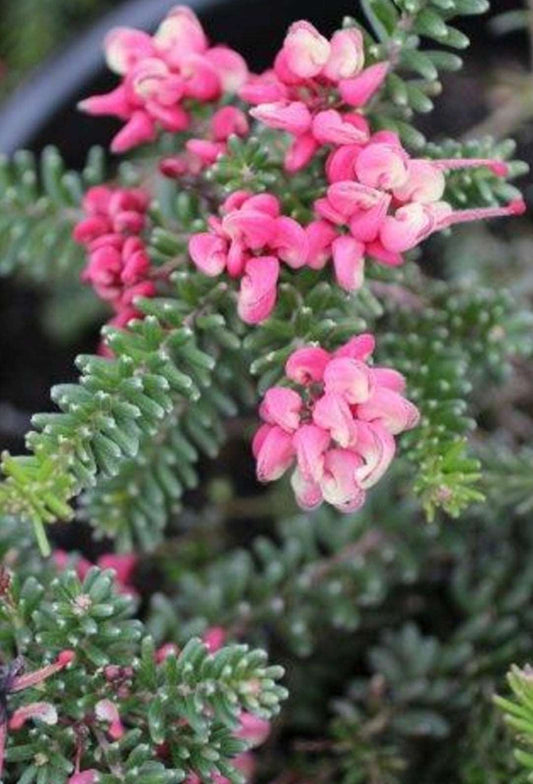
[(340, 164), (291, 116), (230, 67), (331, 127), (209, 253), (339, 484), (414, 222), (348, 262), (159, 72), (84, 777), (290, 242), (394, 412), (180, 34), (305, 51), (346, 56), (42, 711), (302, 95), (306, 365), (107, 712), (301, 152), (311, 442), (125, 47), (253, 729), (266, 88), (320, 236), (337, 426), (359, 347), (274, 452), (257, 294), (281, 406), (382, 166), (308, 493), (139, 129), (332, 412), (228, 121), (389, 203), (376, 446), (214, 638), (118, 266), (349, 377), (425, 183), (358, 90), (248, 241)]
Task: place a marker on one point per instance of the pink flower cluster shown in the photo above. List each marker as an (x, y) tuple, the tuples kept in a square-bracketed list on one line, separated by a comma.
[(337, 425), (313, 88), (389, 202), (161, 74), (14, 679), (118, 266), (379, 203), (201, 153), (122, 564), (249, 241)]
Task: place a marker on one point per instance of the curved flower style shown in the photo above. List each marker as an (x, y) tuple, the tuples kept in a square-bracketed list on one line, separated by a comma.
[(337, 425), (249, 241), (313, 89), (389, 202), (160, 74), (14, 679)]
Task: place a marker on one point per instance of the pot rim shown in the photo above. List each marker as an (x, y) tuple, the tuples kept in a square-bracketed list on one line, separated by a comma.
[(54, 84)]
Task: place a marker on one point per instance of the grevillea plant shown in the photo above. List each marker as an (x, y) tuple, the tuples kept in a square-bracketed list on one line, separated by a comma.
[(267, 263)]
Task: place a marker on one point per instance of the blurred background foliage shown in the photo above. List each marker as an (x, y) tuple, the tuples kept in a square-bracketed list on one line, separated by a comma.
[(30, 30)]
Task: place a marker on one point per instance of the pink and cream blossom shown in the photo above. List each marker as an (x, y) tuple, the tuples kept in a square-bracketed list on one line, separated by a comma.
[(161, 75), (15, 680), (313, 90), (335, 425), (380, 203), (250, 241)]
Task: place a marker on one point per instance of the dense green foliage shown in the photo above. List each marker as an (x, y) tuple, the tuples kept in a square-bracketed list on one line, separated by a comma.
[(395, 625)]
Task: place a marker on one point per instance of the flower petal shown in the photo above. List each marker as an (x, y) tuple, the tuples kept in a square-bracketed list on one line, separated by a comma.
[(350, 378), (307, 364), (257, 294), (281, 406), (311, 443), (274, 452)]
